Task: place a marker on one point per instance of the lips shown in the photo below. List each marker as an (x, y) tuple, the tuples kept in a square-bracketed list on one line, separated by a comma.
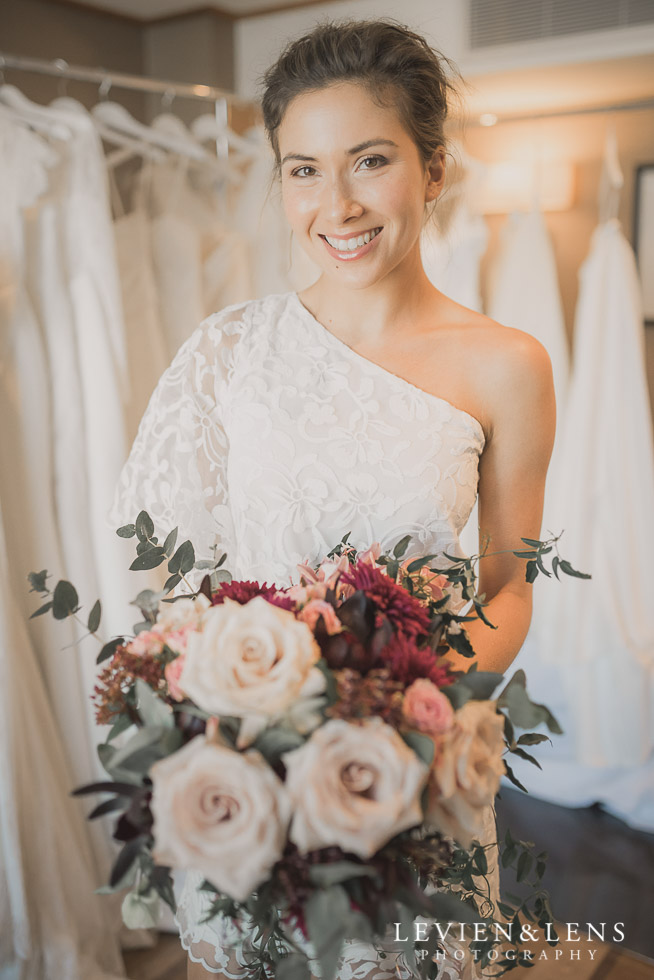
[(347, 249)]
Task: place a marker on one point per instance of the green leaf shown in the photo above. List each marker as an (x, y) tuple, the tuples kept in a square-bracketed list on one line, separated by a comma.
[(527, 756), (126, 531), (169, 543), (43, 609), (126, 859), (152, 710), (525, 862), (531, 571), (94, 617), (525, 554), (109, 649), (514, 779), (122, 724), (148, 559), (295, 966), (109, 806), (326, 875), (479, 861), (183, 559), (566, 567), (274, 742), (482, 683), (147, 601), (172, 582), (533, 738), (400, 548), (326, 914), (37, 581), (64, 600), (532, 542), (524, 712), (419, 563), (144, 527), (422, 745), (556, 561)]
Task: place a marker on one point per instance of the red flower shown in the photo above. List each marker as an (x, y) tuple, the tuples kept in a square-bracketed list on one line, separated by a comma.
[(408, 616), (408, 662), (242, 592)]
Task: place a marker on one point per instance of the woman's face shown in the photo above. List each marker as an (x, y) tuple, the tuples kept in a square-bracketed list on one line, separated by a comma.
[(354, 184)]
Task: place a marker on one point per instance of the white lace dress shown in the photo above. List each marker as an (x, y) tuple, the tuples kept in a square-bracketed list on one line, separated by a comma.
[(270, 438)]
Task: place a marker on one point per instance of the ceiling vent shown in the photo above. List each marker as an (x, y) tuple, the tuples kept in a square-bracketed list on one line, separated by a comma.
[(499, 22)]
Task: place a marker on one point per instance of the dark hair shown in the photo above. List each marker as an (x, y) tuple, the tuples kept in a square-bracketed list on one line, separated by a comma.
[(386, 57)]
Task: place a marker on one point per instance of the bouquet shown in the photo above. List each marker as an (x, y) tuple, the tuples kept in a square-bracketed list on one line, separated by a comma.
[(312, 753)]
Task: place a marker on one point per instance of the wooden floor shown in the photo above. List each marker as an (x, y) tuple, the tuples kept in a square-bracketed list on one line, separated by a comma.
[(599, 870)]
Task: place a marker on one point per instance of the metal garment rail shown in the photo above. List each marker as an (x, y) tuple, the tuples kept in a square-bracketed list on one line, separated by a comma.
[(106, 79)]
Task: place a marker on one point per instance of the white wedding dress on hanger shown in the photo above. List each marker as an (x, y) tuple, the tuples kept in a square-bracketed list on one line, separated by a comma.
[(599, 664), (270, 438)]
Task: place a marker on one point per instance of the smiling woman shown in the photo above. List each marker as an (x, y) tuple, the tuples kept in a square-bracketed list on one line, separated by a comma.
[(370, 404)]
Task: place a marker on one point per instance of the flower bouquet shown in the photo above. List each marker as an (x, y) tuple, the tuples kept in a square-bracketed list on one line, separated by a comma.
[(309, 750)]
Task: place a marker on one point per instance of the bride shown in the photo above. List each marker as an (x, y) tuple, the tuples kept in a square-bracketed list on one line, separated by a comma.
[(369, 403)]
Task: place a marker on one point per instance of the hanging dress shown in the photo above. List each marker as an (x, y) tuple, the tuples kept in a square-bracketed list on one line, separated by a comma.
[(270, 438), (51, 924), (603, 653)]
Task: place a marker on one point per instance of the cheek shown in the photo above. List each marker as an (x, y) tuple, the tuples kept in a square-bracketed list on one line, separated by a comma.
[(299, 203)]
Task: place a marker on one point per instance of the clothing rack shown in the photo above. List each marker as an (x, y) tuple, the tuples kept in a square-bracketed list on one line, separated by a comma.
[(107, 79)]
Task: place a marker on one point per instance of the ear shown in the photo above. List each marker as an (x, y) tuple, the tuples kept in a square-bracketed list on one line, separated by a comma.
[(435, 175)]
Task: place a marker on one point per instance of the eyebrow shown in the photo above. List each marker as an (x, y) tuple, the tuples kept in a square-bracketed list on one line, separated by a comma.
[(352, 152)]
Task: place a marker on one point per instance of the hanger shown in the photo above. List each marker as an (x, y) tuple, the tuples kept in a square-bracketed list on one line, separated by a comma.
[(208, 128), (116, 118), (611, 180), (44, 119)]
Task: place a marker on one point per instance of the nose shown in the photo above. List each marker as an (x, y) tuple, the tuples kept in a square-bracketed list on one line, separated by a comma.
[(341, 203)]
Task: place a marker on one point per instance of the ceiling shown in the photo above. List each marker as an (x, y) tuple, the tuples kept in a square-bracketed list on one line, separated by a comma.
[(146, 10)]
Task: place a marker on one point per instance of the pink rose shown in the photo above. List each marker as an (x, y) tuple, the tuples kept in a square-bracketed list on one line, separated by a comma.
[(148, 641), (426, 708), (177, 639), (173, 672), (317, 608)]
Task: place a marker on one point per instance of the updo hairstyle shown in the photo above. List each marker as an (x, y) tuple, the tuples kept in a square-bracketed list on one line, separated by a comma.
[(396, 66)]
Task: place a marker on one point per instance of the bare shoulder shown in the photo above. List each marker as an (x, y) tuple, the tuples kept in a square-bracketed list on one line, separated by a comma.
[(511, 371)]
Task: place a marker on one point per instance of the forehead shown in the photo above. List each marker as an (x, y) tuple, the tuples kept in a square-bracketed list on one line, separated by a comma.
[(343, 113)]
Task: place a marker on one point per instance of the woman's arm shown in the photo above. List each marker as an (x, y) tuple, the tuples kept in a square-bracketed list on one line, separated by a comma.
[(519, 392)]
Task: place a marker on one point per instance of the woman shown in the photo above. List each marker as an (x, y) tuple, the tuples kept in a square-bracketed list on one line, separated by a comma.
[(369, 403)]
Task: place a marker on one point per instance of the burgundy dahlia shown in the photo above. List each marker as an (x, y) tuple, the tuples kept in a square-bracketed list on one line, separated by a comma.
[(407, 663), (242, 592), (407, 614)]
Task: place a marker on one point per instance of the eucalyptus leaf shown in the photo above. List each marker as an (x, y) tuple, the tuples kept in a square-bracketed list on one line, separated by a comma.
[(42, 610), (37, 581), (64, 600), (169, 543), (109, 649), (144, 527), (400, 548), (326, 914), (148, 559), (422, 745), (522, 711), (94, 617), (172, 582), (295, 966), (126, 531), (152, 710), (326, 875), (482, 683)]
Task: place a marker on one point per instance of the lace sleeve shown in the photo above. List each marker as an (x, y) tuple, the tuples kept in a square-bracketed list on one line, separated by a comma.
[(176, 470)]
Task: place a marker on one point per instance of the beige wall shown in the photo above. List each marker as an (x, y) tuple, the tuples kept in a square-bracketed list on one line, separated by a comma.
[(192, 48), (39, 29)]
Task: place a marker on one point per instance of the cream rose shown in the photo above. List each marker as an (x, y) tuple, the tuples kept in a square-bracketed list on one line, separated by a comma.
[(219, 812), (354, 786), (251, 661), (465, 775)]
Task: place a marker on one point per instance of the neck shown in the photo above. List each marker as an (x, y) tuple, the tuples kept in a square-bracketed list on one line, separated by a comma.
[(371, 314)]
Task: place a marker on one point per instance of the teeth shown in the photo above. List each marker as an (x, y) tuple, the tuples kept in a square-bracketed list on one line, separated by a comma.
[(352, 243)]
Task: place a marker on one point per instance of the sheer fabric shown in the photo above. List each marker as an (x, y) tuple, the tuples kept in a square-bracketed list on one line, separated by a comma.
[(268, 438)]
